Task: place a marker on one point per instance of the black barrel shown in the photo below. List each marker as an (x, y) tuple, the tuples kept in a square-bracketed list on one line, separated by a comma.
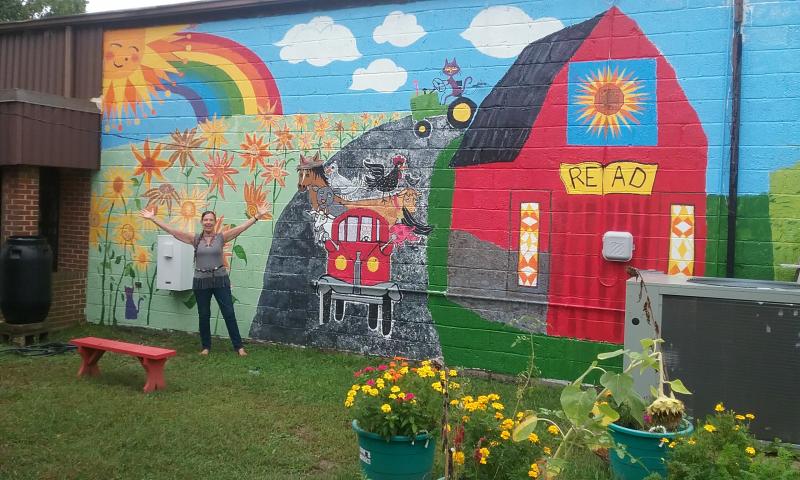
[(26, 277)]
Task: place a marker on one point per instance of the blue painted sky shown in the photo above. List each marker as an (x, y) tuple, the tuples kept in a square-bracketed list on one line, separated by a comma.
[(694, 36)]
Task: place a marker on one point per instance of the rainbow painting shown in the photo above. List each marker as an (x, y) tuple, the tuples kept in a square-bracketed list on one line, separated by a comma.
[(215, 75)]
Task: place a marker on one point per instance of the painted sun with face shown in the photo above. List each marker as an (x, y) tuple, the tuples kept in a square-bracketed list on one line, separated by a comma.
[(136, 67), (609, 100)]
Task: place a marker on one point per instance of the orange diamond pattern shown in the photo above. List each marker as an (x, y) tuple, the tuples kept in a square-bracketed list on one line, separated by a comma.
[(681, 240), (528, 265)]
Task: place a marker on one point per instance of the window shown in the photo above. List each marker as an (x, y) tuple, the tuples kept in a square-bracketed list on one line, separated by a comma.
[(352, 229), (365, 235)]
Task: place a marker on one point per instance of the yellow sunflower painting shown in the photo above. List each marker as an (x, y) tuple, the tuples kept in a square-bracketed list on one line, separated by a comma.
[(609, 99), (191, 204)]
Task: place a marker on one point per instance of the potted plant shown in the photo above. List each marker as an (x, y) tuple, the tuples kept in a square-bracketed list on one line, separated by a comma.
[(615, 416), (722, 447), (397, 409)]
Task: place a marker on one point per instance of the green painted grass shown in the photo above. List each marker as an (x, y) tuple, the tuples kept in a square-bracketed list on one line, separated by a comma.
[(276, 414)]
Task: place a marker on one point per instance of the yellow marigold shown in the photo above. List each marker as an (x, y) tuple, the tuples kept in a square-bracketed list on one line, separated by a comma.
[(672, 444), (380, 383), (373, 392), (534, 471), (493, 397), (453, 373), (494, 443), (736, 427), (483, 399), (348, 403), (739, 417), (386, 408), (547, 451), (442, 375), (507, 424), (709, 428), (454, 385), (454, 402), (437, 386), (483, 461), (393, 396), (498, 406), (467, 398), (498, 415), (465, 419), (664, 440), (750, 416), (552, 430), (719, 407), (395, 389), (388, 376), (356, 387), (520, 415), (750, 451), (691, 441), (533, 438), (505, 434), (404, 371), (458, 457)]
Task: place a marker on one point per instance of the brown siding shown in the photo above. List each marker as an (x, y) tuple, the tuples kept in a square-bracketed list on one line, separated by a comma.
[(41, 135), (34, 60)]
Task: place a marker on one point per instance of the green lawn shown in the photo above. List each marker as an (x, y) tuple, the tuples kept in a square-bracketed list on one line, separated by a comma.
[(276, 414)]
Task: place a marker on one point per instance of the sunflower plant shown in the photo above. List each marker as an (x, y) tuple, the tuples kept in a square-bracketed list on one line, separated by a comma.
[(399, 397)]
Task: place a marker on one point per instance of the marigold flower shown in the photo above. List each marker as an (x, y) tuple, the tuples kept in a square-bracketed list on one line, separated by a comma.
[(465, 419), (520, 415), (380, 383), (534, 471), (437, 386), (750, 451), (719, 407), (454, 402), (348, 403), (553, 430), (691, 441), (739, 417), (672, 444), (505, 435), (498, 406), (663, 441), (709, 428), (499, 415), (547, 451), (458, 458), (750, 416), (393, 396), (454, 385), (386, 408), (453, 373), (507, 424), (533, 438), (395, 389)]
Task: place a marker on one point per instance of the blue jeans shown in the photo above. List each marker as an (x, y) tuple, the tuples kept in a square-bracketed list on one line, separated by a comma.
[(225, 302)]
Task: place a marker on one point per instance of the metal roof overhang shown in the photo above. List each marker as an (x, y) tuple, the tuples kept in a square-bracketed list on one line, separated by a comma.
[(40, 129)]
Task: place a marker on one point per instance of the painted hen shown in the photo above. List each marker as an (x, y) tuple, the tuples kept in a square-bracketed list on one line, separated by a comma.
[(385, 182)]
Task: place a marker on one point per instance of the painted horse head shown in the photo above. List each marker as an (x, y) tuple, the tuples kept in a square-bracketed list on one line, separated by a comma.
[(310, 173)]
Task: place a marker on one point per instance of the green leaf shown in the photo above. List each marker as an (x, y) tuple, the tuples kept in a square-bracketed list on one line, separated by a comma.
[(189, 171), (554, 466), (525, 428), (239, 251), (620, 384), (191, 301), (577, 404), (653, 391), (607, 355), (677, 386), (233, 297), (119, 259), (579, 380), (135, 181), (647, 343), (131, 271), (636, 406), (138, 203), (607, 414)]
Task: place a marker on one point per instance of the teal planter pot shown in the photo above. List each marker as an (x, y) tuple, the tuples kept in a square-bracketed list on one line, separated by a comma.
[(643, 446), (399, 458)]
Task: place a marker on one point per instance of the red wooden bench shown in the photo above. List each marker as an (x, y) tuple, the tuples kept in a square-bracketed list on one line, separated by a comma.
[(151, 358)]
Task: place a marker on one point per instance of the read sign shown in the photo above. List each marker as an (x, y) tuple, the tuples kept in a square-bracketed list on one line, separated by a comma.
[(593, 178)]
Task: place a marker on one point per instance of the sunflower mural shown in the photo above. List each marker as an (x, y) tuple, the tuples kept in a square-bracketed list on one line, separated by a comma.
[(240, 154)]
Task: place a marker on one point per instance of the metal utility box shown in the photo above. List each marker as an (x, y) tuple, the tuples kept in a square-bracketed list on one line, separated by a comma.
[(729, 340), (175, 264)]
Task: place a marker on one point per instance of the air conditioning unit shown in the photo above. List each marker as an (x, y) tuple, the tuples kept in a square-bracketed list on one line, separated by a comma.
[(730, 340)]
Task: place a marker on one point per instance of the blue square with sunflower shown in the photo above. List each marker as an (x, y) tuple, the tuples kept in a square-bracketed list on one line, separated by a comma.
[(612, 102)]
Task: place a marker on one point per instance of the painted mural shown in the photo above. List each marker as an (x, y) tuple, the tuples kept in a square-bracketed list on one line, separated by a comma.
[(438, 183)]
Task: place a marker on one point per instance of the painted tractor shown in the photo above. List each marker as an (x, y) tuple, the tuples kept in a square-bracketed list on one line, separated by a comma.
[(460, 111)]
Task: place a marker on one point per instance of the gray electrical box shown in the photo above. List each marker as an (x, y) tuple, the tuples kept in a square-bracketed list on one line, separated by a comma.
[(729, 340)]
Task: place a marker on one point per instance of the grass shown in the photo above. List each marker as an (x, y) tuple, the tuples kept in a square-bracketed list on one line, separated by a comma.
[(275, 414)]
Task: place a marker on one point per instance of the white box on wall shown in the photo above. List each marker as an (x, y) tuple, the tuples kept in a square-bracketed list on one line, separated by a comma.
[(618, 246), (175, 262)]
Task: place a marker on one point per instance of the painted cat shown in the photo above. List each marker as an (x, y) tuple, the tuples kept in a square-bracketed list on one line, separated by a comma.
[(457, 87)]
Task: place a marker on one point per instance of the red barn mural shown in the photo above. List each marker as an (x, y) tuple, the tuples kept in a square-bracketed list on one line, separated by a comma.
[(589, 132)]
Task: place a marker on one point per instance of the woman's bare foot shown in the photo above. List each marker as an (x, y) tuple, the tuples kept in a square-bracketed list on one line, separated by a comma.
[(242, 353), (204, 352)]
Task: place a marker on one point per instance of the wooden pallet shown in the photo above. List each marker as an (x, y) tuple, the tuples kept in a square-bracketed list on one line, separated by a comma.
[(28, 334)]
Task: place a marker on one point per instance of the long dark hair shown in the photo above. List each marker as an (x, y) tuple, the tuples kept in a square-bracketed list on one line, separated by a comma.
[(202, 216)]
